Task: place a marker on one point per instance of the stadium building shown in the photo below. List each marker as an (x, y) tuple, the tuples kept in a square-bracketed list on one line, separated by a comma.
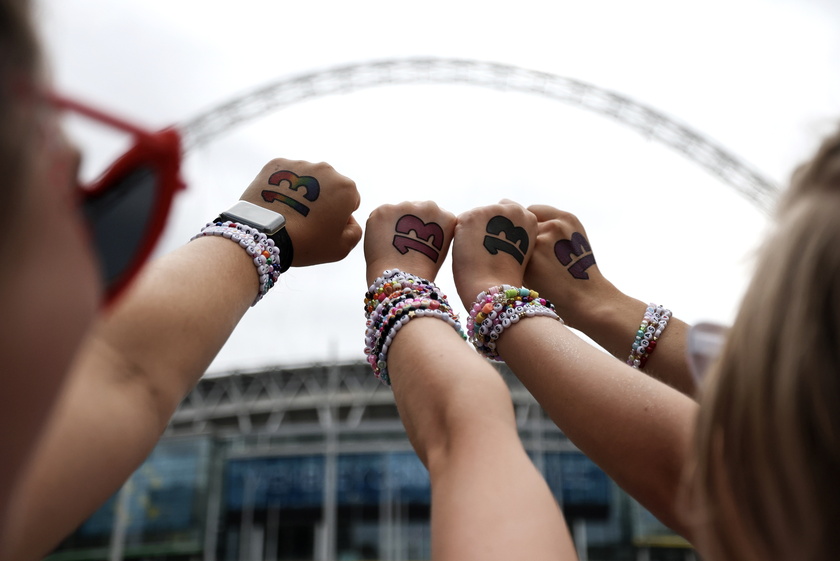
[(312, 463)]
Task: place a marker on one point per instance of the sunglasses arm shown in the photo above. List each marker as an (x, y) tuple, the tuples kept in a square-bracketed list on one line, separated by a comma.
[(68, 104)]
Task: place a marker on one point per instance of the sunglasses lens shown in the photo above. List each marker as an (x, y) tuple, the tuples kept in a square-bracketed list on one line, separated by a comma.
[(120, 217)]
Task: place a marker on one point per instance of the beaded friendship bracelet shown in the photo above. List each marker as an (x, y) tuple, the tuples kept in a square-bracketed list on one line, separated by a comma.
[(259, 246), (653, 324), (393, 300), (499, 307)]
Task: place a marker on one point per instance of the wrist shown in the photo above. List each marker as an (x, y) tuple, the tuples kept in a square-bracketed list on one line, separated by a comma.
[(499, 308), (258, 246), (391, 301), (610, 320), (238, 278), (469, 291), (265, 220), (587, 309), (376, 268)]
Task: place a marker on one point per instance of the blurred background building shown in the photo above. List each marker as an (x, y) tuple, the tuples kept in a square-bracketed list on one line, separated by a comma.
[(312, 463)]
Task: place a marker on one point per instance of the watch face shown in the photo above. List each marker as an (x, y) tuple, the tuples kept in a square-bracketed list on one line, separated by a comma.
[(266, 221)]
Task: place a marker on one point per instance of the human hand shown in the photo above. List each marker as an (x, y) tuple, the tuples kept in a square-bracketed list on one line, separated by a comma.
[(563, 267), (318, 203), (411, 236), (493, 245)]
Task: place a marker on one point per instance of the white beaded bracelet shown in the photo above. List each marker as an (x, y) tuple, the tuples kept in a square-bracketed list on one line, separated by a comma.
[(653, 324), (261, 248)]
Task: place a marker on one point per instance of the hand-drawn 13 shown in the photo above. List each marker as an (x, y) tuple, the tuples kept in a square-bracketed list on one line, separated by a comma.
[(517, 241), (431, 233), (295, 181), (567, 250)]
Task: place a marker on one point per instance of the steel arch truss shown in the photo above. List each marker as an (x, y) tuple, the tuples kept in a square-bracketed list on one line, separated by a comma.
[(646, 120)]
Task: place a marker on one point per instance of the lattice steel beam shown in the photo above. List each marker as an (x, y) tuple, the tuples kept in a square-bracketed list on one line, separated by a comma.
[(648, 121), (310, 399)]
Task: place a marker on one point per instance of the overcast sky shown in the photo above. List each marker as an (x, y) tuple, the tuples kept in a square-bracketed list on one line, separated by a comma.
[(759, 77)]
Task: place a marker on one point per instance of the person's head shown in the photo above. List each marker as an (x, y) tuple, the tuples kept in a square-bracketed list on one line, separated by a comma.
[(768, 439), (48, 283), (85, 243), (19, 69), (49, 286)]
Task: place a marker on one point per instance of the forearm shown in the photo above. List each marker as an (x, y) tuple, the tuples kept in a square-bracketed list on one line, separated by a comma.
[(488, 499), (637, 429), (563, 269), (445, 392), (174, 321), (127, 381), (611, 319), (84, 457)]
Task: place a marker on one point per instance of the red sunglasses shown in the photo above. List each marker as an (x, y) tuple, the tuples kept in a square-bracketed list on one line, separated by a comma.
[(127, 206)]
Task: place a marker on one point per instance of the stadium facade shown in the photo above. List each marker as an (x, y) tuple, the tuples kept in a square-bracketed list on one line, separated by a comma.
[(313, 463)]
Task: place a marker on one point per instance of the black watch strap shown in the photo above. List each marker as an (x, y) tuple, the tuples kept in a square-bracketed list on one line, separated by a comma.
[(282, 241)]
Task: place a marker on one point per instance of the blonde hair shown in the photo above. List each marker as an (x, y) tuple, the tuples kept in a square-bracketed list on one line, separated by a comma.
[(768, 435)]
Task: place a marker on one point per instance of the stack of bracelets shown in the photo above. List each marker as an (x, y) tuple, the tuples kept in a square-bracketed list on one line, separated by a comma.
[(497, 309), (390, 302), (653, 324), (259, 246)]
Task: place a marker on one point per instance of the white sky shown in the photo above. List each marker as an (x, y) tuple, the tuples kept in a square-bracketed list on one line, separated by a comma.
[(758, 76)]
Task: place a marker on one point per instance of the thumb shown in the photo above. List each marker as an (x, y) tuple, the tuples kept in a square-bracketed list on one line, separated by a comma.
[(351, 235)]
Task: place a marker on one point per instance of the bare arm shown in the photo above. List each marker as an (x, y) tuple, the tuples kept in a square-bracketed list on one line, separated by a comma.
[(635, 428), (146, 354), (563, 268), (488, 500)]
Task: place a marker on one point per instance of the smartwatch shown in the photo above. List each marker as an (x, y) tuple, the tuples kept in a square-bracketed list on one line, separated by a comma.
[(270, 223)]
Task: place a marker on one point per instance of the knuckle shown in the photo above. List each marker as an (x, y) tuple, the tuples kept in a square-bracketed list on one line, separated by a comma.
[(555, 227), (275, 163)]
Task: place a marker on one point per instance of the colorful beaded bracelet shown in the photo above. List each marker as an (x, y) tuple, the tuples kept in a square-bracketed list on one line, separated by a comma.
[(261, 248), (393, 287), (393, 300), (499, 307), (653, 324)]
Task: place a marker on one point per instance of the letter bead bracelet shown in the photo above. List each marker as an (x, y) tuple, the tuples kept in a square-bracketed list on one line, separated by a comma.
[(499, 307), (260, 247), (393, 300), (653, 324)]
